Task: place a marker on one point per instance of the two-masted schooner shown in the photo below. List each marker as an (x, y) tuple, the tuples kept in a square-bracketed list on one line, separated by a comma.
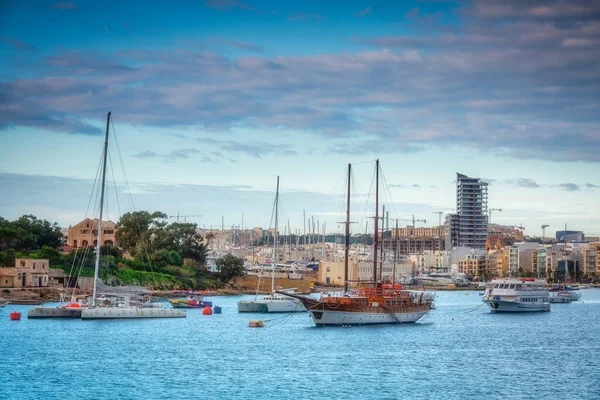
[(372, 302)]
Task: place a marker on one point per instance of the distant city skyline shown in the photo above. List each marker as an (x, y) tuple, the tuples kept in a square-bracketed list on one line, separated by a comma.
[(212, 100)]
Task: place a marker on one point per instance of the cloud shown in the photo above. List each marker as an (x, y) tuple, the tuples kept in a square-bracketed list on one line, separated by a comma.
[(239, 44), (224, 5), (396, 186), (16, 43), (524, 183), (305, 16), (182, 153), (530, 183), (364, 12), (524, 89), (257, 149), (145, 154), (416, 185), (568, 187), (67, 5), (174, 155)]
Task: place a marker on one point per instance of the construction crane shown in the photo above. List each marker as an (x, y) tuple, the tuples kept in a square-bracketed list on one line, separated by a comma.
[(413, 228), (490, 213), (522, 228), (544, 231), (439, 213), (185, 217)]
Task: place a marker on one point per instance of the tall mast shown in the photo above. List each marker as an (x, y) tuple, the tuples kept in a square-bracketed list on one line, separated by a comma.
[(395, 252), (376, 238), (98, 243), (347, 244), (382, 243), (275, 238)]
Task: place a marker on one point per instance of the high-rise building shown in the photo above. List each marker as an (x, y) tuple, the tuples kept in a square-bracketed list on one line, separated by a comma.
[(468, 227)]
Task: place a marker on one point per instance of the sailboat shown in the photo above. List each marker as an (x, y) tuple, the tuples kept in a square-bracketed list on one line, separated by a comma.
[(274, 302), (120, 303), (371, 302)]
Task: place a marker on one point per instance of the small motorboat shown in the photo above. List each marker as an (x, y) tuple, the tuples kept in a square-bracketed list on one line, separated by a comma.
[(560, 297)]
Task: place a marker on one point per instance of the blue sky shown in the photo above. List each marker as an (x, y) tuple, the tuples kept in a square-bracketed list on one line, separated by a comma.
[(212, 99)]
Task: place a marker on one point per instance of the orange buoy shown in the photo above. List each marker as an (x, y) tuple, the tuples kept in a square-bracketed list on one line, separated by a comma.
[(15, 316), (207, 311), (256, 324)]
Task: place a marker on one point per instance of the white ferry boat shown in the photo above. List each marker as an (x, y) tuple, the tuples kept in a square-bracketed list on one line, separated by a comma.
[(517, 295)]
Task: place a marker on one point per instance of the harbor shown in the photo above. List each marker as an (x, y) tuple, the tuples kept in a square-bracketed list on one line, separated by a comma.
[(461, 341)]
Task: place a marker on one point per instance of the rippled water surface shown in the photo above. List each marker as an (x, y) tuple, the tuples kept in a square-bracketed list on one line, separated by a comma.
[(458, 351)]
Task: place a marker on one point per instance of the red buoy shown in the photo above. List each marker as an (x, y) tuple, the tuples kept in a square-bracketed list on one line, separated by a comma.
[(207, 311), (15, 316)]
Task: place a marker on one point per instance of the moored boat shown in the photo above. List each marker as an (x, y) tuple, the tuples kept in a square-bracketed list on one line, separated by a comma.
[(371, 302), (71, 310), (560, 297), (193, 300), (517, 295), (274, 302)]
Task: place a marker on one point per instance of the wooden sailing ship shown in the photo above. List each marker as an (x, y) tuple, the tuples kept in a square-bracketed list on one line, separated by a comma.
[(372, 302)]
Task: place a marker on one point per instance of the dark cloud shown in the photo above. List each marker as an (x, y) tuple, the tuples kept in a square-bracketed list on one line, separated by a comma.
[(416, 185), (364, 12), (16, 43), (305, 16), (525, 87), (66, 5), (591, 186)]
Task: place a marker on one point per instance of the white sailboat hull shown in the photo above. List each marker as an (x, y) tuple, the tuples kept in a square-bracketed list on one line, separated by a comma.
[(54, 312), (131, 313), (291, 305), (325, 317), (271, 306)]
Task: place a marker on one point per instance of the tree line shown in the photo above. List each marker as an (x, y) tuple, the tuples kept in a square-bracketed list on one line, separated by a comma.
[(149, 241)]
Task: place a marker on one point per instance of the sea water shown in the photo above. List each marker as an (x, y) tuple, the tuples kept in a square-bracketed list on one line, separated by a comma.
[(459, 351)]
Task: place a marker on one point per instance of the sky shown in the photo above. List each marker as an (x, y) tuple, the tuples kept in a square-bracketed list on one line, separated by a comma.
[(211, 100)]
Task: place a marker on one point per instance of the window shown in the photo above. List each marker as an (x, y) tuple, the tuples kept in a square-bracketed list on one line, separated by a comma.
[(33, 265), (22, 263), (108, 231)]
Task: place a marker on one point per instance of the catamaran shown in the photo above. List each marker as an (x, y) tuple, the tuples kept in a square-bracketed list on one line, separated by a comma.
[(275, 302), (371, 302)]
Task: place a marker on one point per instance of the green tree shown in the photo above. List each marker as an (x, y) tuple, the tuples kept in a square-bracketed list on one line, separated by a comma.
[(161, 258), (230, 267), (29, 233), (135, 229), (51, 254)]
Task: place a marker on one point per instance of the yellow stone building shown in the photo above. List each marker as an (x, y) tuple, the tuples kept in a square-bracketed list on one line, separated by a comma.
[(85, 233), (26, 273)]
